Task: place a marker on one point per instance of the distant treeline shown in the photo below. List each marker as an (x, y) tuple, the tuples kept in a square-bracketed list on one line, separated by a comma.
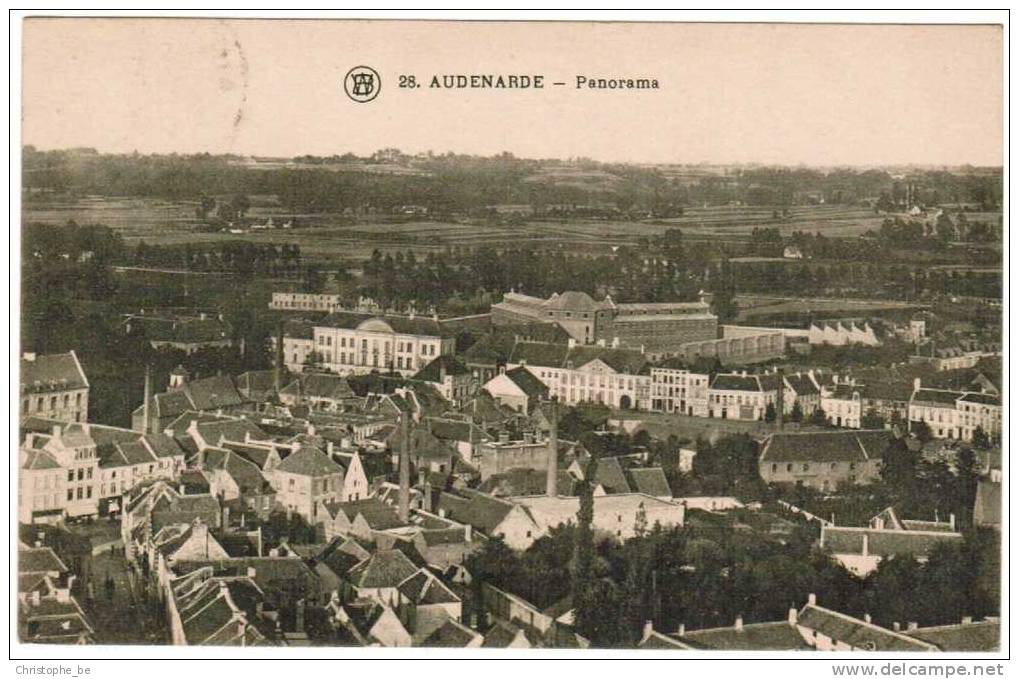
[(449, 184)]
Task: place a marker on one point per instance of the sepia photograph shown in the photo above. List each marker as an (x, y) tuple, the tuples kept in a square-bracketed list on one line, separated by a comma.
[(490, 338)]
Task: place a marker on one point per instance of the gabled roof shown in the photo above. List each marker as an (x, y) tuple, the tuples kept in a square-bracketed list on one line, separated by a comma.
[(527, 382), (858, 633), (759, 636), (650, 481), (376, 513), (610, 476), (626, 361), (501, 635), (321, 386), (39, 460), (309, 461), (424, 589), (405, 325), (802, 384), (966, 637), (384, 568), (244, 473), (39, 560), (480, 510), (734, 382), (432, 371), (937, 397), (883, 543), (454, 430), (826, 446), (52, 372), (542, 354), (451, 635)]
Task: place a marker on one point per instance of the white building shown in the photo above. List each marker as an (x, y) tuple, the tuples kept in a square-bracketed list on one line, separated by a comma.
[(304, 301), (679, 391), (954, 414)]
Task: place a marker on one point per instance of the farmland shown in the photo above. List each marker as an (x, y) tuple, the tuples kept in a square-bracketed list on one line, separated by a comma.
[(334, 235)]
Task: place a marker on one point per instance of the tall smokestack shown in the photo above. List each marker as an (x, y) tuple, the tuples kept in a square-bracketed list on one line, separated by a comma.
[(277, 375), (405, 467), (553, 448), (146, 410), (780, 406)]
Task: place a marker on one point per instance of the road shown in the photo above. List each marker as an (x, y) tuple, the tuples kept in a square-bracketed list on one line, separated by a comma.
[(133, 615)]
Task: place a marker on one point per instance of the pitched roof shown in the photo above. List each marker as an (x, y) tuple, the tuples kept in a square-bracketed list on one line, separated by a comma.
[(826, 446), (451, 635), (726, 382), (211, 393), (384, 568), (543, 354), (405, 325), (38, 460), (52, 372), (480, 510), (244, 473), (626, 361), (317, 385), (424, 589), (39, 560), (432, 371), (610, 476), (650, 481), (527, 382), (883, 543), (801, 384), (759, 636), (858, 633), (501, 635), (309, 461), (376, 513), (966, 637)]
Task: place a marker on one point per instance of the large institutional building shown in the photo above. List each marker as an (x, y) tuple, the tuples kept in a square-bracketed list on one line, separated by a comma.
[(656, 327), (351, 343)]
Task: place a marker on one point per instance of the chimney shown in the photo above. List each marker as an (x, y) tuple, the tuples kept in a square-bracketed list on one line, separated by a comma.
[(916, 384), (793, 615), (951, 520), (277, 373), (299, 618), (648, 629), (442, 370), (468, 532), (866, 618), (504, 436), (225, 517), (404, 498), (552, 471), (811, 599), (682, 630), (911, 627), (426, 493), (967, 619), (28, 356), (896, 627), (146, 411), (738, 625), (865, 550)]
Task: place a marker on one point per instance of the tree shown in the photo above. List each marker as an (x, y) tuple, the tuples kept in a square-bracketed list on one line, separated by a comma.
[(922, 431), (871, 420), (981, 440), (797, 413), (769, 413), (818, 417), (584, 596)]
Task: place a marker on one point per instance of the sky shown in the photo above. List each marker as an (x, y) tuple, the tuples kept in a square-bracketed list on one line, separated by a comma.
[(821, 95)]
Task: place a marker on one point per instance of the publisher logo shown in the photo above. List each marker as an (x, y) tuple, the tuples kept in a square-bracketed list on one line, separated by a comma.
[(362, 84)]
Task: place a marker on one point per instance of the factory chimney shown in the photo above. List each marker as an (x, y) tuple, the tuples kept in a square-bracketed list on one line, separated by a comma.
[(404, 507), (146, 408), (553, 448), (780, 398), (277, 375)]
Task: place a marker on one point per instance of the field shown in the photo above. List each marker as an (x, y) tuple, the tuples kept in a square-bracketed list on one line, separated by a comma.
[(330, 235), (759, 308)]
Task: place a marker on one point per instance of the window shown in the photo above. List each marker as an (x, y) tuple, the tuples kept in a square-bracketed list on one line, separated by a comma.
[(70, 494), (70, 475), (789, 467)]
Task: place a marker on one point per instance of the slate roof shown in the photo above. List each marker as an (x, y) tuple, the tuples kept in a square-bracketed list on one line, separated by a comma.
[(39, 560), (627, 361), (650, 481), (527, 382), (384, 568), (967, 637), (405, 325), (726, 382), (454, 430), (39, 460), (826, 446), (858, 633), (758, 636), (257, 384), (802, 384), (52, 372), (317, 385), (244, 473), (231, 429), (309, 461), (424, 589), (936, 397), (450, 635), (375, 512), (501, 635), (525, 481), (610, 476), (540, 354), (883, 543), (984, 399), (431, 372), (480, 510), (211, 393)]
